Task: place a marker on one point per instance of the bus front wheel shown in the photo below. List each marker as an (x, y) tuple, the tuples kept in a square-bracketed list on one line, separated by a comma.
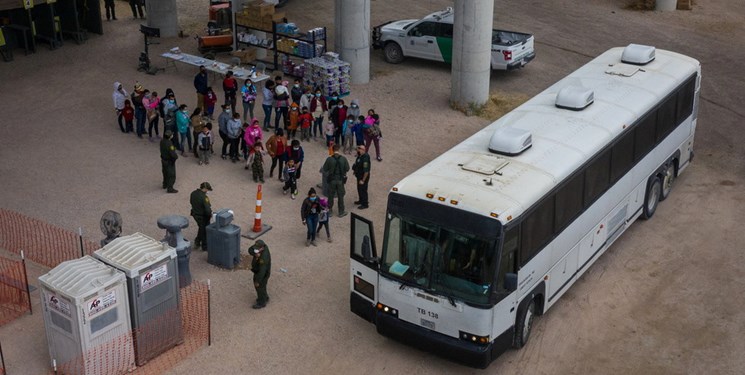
[(524, 325), (652, 198)]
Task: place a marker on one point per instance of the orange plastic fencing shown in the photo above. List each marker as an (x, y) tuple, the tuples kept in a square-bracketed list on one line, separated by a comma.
[(42, 242), (14, 298), (156, 347)]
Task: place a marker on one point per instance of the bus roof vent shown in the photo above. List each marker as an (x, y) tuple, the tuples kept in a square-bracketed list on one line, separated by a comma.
[(510, 141), (575, 98), (638, 54)]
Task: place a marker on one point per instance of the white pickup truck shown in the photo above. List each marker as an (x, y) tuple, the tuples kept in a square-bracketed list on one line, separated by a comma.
[(431, 38)]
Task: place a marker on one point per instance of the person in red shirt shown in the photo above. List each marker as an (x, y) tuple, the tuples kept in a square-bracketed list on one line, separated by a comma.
[(230, 86), (209, 101), (128, 112), (306, 120)]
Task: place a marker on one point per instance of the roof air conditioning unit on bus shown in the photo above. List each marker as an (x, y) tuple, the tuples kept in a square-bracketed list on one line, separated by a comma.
[(575, 98), (637, 54), (510, 141)]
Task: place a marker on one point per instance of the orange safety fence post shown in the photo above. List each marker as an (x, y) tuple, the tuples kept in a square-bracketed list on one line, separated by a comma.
[(258, 228), (25, 277)]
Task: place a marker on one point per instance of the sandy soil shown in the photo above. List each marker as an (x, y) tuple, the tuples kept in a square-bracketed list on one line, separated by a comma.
[(663, 299)]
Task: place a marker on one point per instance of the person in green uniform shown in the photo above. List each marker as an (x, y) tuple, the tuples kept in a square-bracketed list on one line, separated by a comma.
[(201, 211), (336, 168), (168, 158), (261, 266), (361, 168)]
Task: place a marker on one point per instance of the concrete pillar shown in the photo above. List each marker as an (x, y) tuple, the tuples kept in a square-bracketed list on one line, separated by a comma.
[(471, 52), (352, 36), (163, 15)]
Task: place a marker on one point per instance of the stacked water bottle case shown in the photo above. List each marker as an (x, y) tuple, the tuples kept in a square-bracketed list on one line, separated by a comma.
[(328, 73)]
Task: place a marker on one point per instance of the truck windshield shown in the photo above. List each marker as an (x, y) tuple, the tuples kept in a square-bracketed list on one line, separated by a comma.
[(439, 259)]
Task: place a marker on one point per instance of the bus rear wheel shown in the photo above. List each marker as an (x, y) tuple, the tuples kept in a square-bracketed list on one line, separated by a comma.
[(668, 178), (652, 198), (524, 325)]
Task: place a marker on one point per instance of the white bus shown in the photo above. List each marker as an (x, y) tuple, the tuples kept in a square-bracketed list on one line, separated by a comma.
[(492, 232)]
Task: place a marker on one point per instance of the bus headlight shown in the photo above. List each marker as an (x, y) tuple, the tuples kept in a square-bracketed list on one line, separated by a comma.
[(387, 309), (476, 339)]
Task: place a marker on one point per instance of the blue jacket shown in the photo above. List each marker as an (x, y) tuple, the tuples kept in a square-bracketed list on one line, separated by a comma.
[(200, 83), (182, 121), (359, 135)]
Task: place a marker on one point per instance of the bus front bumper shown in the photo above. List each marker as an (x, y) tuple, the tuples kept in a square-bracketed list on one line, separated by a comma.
[(467, 353)]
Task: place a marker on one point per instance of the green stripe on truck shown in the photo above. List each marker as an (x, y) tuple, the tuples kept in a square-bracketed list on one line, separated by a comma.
[(446, 49)]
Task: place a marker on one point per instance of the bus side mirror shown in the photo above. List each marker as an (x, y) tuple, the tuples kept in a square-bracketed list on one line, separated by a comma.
[(510, 282)]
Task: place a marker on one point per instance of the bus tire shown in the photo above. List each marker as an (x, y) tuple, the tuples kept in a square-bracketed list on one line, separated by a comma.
[(524, 325), (652, 197), (393, 53), (668, 178)]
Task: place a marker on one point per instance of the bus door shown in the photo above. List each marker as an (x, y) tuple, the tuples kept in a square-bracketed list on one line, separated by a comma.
[(363, 268)]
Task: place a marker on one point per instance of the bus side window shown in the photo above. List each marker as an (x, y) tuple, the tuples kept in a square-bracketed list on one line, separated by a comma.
[(508, 262)]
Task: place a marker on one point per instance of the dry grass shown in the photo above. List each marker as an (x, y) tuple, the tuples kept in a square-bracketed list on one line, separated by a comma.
[(500, 103), (640, 5)]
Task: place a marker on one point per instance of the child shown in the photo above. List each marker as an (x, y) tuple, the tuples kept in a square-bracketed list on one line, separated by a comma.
[(205, 144), (347, 135), (288, 173), (305, 120), (294, 116), (359, 134), (251, 135), (330, 129), (209, 101), (128, 112), (323, 218), (257, 164)]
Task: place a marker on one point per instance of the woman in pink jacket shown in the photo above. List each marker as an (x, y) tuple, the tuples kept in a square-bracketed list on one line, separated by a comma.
[(151, 103), (252, 135)]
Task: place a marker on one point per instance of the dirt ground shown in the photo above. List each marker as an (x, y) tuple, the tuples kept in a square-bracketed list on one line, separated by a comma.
[(666, 298)]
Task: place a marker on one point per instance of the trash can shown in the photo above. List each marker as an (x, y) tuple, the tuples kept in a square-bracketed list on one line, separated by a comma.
[(174, 238), (152, 282), (223, 241), (86, 316)]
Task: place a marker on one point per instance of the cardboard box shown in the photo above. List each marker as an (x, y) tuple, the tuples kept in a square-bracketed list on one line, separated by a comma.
[(259, 8), (246, 55), (279, 16)]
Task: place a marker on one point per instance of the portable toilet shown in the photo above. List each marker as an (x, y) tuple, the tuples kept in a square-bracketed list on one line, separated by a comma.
[(152, 281), (86, 316)]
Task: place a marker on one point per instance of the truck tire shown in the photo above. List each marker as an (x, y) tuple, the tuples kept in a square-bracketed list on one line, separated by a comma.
[(393, 53)]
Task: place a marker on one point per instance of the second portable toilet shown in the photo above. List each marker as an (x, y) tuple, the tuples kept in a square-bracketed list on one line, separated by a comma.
[(86, 316), (152, 282)]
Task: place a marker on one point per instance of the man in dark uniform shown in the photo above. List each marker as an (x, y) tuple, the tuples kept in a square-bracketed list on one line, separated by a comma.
[(201, 211), (168, 158), (361, 170), (261, 266), (336, 168)]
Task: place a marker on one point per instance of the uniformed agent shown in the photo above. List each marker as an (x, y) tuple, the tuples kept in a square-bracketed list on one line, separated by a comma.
[(201, 211), (336, 168), (361, 168), (168, 158), (261, 266)]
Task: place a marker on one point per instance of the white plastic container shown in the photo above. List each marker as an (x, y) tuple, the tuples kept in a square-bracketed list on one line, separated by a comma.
[(86, 315), (151, 270)]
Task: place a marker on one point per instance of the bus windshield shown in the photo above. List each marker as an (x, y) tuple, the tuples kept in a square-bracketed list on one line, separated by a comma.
[(439, 259)]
